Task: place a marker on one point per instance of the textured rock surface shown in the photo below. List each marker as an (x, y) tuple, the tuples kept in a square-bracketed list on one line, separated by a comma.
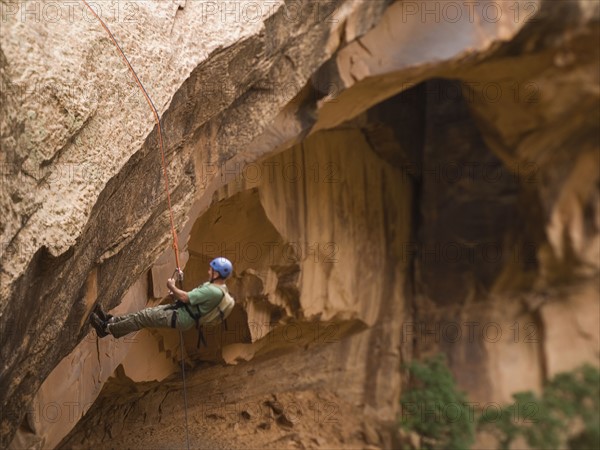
[(388, 184), (79, 215)]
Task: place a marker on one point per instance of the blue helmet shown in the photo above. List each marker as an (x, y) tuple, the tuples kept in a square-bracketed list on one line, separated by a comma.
[(222, 266)]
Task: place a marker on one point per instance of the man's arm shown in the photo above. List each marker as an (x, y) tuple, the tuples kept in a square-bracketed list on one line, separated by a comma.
[(177, 293)]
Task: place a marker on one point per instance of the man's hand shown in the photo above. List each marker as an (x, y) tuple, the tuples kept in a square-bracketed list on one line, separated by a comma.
[(171, 284), (176, 292)]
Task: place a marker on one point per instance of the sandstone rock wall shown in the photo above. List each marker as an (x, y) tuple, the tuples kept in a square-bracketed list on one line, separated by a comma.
[(415, 178), (79, 214)]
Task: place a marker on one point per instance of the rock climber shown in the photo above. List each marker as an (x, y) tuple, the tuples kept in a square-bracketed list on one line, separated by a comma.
[(189, 307)]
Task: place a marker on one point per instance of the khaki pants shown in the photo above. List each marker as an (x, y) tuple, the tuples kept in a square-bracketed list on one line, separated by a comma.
[(156, 317)]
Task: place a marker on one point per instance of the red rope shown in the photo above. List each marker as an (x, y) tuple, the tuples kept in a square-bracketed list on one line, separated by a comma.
[(160, 137)]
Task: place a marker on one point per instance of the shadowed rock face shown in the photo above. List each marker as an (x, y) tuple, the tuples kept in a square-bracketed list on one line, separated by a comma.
[(121, 186), (447, 190)]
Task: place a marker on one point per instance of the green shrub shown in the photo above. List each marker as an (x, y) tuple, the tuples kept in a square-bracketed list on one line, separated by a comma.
[(434, 408), (545, 421)]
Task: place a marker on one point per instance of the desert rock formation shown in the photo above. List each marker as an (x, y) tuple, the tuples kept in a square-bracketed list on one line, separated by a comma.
[(390, 178)]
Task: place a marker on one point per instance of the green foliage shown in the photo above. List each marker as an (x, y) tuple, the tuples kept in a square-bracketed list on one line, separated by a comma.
[(435, 409), (544, 422)]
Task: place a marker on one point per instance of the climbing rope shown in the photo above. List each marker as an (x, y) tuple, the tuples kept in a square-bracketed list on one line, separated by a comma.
[(178, 271), (185, 402), (160, 136)]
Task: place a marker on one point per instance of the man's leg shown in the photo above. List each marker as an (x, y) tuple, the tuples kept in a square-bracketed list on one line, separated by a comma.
[(157, 317)]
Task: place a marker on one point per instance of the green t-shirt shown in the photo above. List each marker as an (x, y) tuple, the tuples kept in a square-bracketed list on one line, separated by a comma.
[(203, 299)]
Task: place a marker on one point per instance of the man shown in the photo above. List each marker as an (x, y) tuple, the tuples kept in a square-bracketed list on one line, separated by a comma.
[(190, 306)]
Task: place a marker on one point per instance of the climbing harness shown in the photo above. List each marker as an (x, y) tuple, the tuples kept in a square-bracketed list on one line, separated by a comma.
[(221, 311), (178, 270)]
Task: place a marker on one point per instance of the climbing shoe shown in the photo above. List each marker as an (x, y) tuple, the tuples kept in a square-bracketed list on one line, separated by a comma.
[(99, 325), (100, 313)]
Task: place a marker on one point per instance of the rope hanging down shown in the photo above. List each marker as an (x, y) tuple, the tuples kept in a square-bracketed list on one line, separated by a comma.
[(166, 177), (160, 137)]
